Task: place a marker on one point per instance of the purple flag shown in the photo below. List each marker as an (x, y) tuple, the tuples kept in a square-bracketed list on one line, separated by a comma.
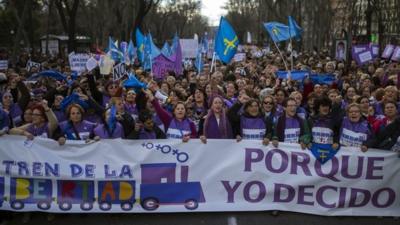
[(177, 59), (396, 54), (388, 51), (161, 66)]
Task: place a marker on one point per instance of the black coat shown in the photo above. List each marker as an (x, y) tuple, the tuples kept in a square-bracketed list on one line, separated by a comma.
[(387, 137)]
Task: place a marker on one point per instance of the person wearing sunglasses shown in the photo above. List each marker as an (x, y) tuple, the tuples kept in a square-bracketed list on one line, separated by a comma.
[(355, 129)]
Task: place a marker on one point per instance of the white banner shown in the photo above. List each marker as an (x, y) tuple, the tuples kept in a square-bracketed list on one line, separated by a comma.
[(77, 62), (171, 176), (189, 48)]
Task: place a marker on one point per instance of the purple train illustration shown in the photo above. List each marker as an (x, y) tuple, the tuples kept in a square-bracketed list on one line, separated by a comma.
[(159, 187)]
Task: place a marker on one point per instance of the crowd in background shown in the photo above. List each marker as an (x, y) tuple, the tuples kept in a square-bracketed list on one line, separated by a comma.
[(359, 107)]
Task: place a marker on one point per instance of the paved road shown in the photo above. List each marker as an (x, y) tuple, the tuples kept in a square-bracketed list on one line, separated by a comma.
[(242, 218)]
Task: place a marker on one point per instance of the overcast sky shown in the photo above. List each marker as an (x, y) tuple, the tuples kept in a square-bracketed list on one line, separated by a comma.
[(212, 10)]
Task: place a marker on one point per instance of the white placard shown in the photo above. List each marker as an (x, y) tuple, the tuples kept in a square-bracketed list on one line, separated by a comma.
[(189, 48)]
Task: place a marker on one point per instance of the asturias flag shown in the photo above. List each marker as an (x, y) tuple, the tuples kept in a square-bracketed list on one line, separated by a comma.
[(226, 41), (277, 31), (140, 45)]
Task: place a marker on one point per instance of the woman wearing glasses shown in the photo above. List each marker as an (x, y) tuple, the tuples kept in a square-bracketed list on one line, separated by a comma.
[(354, 130)]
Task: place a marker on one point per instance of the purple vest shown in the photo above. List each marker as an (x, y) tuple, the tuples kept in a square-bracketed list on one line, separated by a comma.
[(292, 130), (177, 129), (101, 131), (354, 134), (84, 128), (16, 113), (144, 134), (132, 110), (106, 99), (213, 131), (322, 132), (42, 131), (252, 128)]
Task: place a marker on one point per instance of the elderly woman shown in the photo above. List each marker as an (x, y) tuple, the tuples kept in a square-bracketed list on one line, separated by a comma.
[(354, 129), (215, 124), (44, 123), (76, 128)]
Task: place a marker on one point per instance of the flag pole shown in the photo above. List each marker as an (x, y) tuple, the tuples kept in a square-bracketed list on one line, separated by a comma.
[(199, 63), (212, 62), (286, 66)]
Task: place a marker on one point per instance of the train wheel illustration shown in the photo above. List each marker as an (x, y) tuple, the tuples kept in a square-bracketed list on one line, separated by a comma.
[(44, 205), (150, 204), (105, 206), (17, 205), (86, 206), (191, 204), (126, 206), (65, 206)]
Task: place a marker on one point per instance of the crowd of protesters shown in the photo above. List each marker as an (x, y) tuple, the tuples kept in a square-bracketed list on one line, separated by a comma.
[(242, 100)]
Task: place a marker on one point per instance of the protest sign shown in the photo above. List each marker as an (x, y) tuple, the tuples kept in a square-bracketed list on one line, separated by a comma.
[(239, 57), (106, 64), (189, 48), (30, 64), (91, 64), (396, 54), (388, 51), (119, 71), (363, 57), (77, 62)]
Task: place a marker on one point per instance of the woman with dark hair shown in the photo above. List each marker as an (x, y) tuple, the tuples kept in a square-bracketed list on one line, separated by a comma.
[(324, 125), (130, 103), (44, 123), (76, 128), (215, 125), (250, 124), (387, 139), (16, 100), (280, 96), (147, 129), (112, 89), (177, 125), (290, 128), (110, 128)]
